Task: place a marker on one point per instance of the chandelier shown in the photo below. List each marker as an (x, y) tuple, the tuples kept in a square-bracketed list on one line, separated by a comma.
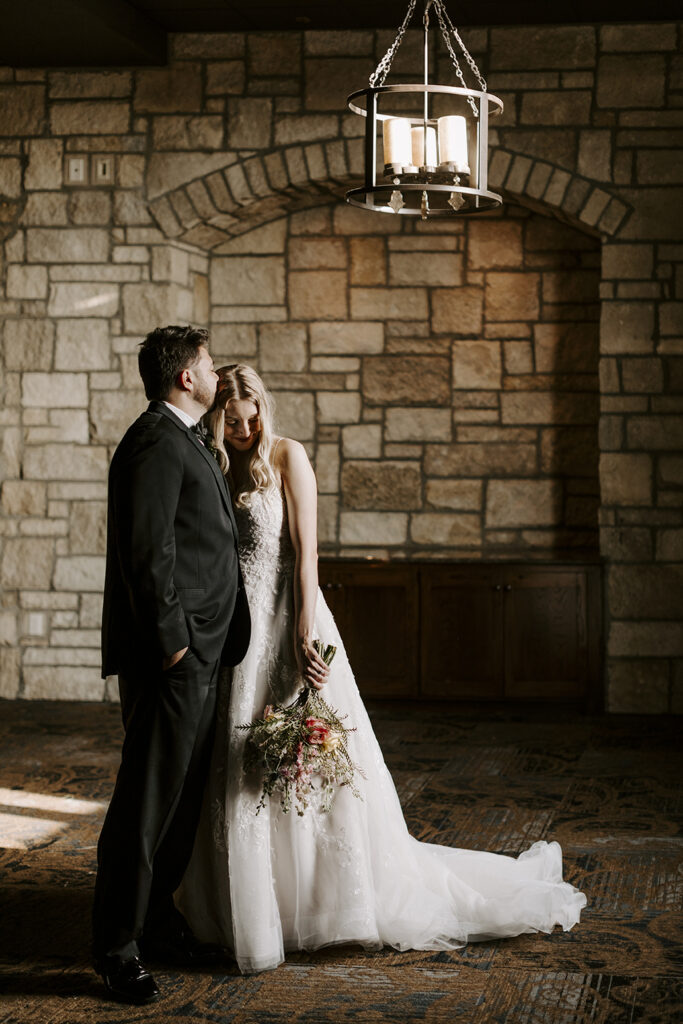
[(431, 166)]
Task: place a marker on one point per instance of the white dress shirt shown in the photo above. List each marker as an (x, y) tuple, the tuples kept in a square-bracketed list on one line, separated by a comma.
[(181, 414)]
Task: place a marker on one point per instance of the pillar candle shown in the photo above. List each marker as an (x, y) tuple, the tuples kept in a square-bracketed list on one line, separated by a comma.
[(396, 138), (418, 147), (453, 142)]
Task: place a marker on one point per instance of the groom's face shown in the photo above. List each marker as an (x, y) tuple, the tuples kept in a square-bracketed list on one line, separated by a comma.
[(204, 379)]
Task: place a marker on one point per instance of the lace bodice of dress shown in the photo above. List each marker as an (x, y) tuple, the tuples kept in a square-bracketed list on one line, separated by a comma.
[(265, 547)]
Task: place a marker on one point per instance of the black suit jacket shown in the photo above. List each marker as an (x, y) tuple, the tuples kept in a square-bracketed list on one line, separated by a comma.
[(172, 576)]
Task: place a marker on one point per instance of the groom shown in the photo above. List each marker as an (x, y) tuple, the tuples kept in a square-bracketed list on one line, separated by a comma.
[(174, 611)]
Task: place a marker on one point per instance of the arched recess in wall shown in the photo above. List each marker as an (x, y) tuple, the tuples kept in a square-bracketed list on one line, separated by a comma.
[(229, 200)]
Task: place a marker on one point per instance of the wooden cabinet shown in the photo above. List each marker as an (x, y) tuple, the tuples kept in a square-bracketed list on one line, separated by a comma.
[(375, 606), (469, 631)]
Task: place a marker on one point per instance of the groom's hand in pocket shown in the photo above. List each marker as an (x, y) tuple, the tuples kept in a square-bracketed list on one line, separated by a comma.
[(173, 659)]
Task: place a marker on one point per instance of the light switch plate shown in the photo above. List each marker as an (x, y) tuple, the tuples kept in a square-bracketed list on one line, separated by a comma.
[(76, 170), (102, 170)]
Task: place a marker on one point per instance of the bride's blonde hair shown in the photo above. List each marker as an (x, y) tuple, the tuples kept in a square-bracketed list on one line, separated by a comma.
[(239, 382)]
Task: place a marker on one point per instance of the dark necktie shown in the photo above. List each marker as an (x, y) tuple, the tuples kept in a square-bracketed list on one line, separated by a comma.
[(201, 433)]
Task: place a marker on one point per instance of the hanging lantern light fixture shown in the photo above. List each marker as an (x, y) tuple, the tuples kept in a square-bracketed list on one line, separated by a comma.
[(430, 166)]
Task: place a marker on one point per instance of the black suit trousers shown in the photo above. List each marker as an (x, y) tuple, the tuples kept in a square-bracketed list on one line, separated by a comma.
[(149, 829)]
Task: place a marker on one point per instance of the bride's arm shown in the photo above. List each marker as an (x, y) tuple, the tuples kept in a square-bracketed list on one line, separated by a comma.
[(302, 497)]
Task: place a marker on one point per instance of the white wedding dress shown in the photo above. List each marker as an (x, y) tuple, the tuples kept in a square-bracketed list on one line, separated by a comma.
[(264, 884)]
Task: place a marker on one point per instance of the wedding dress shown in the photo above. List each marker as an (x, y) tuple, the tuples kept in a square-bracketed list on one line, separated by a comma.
[(263, 884)]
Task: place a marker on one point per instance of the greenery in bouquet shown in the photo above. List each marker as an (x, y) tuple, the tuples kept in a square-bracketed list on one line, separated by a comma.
[(298, 745)]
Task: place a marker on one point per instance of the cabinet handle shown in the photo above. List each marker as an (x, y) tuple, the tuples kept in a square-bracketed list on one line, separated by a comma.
[(507, 587), (332, 586), (497, 586)]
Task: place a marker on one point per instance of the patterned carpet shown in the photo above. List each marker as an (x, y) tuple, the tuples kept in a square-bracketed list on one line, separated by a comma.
[(608, 788)]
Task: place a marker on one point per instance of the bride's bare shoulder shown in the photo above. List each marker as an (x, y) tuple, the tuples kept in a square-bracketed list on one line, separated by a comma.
[(290, 455)]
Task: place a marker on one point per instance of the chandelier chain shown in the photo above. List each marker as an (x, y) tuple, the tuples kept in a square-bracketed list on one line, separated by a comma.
[(442, 15), (382, 70), (466, 53)]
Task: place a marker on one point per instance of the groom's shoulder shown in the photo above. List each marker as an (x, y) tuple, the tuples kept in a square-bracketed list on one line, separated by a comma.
[(151, 428)]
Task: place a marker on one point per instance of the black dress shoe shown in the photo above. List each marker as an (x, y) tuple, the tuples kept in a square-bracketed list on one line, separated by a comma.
[(127, 981), (182, 948)]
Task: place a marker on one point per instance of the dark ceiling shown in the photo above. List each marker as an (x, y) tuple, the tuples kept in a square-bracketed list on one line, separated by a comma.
[(95, 33)]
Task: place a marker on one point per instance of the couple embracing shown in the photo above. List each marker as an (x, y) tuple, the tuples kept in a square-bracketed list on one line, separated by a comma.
[(210, 611)]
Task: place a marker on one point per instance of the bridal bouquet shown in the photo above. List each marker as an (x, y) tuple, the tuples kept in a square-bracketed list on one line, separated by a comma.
[(294, 744)]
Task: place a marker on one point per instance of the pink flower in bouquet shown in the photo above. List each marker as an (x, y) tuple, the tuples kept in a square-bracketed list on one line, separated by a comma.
[(331, 741), (317, 730), (268, 711)]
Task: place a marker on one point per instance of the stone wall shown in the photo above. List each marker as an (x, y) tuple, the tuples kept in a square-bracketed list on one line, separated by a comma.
[(443, 381)]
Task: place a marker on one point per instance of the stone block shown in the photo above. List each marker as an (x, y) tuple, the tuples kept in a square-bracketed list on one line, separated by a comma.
[(645, 639), (655, 432), (10, 177), (26, 282), (381, 485), (293, 128), (131, 171), (548, 407), (267, 239), (146, 306), (79, 572), (670, 545), (282, 347), (546, 47), (671, 318), (518, 503), (476, 365), (170, 263), (248, 280), (461, 495), (22, 110), (273, 53), (88, 528), (176, 89), (54, 390), (645, 591), (569, 107), (363, 528), (657, 167), (27, 563), (186, 132), (82, 345), (642, 375), (316, 253), (228, 339), (442, 269), (511, 296), (250, 123), (295, 414), (327, 468), (494, 244), (481, 460), (225, 77), (639, 38), (23, 498), (351, 220), (637, 687), (671, 470), (10, 671), (362, 441), (518, 357), (90, 117), (368, 261), (208, 45), (389, 304), (130, 208), (346, 338), (73, 85), (418, 424), (65, 462), (595, 154), (627, 327), (445, 529), (62, 682), (406, 380), (636, 80), (326, 82), (457, 310), (564, 286), (317, 295), (67, 245), (89, 207), (625, 479), (569, 451), (167, 171), (566, 347), (112, 412), (338, 406)]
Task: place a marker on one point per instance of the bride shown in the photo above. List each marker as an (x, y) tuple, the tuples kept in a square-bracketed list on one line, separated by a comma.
[(264, 884)]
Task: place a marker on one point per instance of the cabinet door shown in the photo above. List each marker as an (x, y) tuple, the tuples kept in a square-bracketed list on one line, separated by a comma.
[(376, 611), (545, 633), (462, 649)]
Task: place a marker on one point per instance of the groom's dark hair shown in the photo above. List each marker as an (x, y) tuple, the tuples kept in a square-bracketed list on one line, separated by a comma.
[(164, 354)]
